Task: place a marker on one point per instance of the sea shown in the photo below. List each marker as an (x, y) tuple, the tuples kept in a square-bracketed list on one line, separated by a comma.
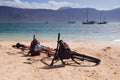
[(68, 31)]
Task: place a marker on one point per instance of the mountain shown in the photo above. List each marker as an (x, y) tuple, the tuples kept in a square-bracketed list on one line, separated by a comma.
[(65, 8), (11, 14)]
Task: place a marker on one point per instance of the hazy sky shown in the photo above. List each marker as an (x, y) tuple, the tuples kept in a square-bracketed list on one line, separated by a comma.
[(56, 4)]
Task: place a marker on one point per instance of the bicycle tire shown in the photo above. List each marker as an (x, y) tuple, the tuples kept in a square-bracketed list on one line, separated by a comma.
[(83, 57)]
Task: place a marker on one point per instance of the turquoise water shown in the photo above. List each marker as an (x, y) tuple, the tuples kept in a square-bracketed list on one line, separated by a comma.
[(77, 31)]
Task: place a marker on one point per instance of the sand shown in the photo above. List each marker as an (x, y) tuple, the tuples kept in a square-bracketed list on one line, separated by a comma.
[(15, 66)]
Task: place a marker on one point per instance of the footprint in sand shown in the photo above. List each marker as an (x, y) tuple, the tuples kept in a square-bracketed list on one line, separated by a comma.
[(106, 48)]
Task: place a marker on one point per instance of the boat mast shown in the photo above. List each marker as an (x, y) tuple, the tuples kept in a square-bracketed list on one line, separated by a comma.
[(87, 14), (100, 16)]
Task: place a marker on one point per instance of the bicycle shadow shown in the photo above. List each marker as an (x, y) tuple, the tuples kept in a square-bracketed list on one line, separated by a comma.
[(31, 59), (67, 63), (14, 53), (45, 61), (82, 64)]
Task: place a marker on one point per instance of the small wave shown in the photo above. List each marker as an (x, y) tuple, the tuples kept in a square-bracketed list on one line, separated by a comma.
[(117, 40)]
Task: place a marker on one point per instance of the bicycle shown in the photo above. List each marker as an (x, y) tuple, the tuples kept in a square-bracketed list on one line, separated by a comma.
[(76, 57)]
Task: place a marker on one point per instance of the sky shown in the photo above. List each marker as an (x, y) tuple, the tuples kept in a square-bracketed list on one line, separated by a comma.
[(56, 4)]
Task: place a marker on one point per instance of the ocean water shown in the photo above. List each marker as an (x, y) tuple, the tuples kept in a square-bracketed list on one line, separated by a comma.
[(71, 32)]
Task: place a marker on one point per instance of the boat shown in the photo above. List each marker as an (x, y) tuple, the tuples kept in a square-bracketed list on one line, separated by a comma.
[(88, 21), (71, 22), (102, 22), (45, 22)]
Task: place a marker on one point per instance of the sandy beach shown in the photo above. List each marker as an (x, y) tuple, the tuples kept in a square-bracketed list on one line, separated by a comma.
[(15, 66)]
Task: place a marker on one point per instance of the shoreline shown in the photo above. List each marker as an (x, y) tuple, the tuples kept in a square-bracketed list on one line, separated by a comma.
[(53, 43)]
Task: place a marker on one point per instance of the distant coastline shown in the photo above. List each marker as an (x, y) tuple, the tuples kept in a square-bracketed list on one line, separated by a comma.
[(10, 14)]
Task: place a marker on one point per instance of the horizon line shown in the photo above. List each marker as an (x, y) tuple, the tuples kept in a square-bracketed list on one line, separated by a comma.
[(60, 7)]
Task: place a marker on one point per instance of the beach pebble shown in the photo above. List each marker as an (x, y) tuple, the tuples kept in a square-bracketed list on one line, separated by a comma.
[(114, 73), (0, 45)]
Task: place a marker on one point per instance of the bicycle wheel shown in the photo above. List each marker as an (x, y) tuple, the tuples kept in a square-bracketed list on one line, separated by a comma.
[(81, 58)]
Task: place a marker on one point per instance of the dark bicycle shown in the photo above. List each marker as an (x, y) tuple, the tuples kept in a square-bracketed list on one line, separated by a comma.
[(64, 52)]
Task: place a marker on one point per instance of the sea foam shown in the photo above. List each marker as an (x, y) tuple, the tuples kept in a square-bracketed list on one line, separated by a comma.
[(117, 40)]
